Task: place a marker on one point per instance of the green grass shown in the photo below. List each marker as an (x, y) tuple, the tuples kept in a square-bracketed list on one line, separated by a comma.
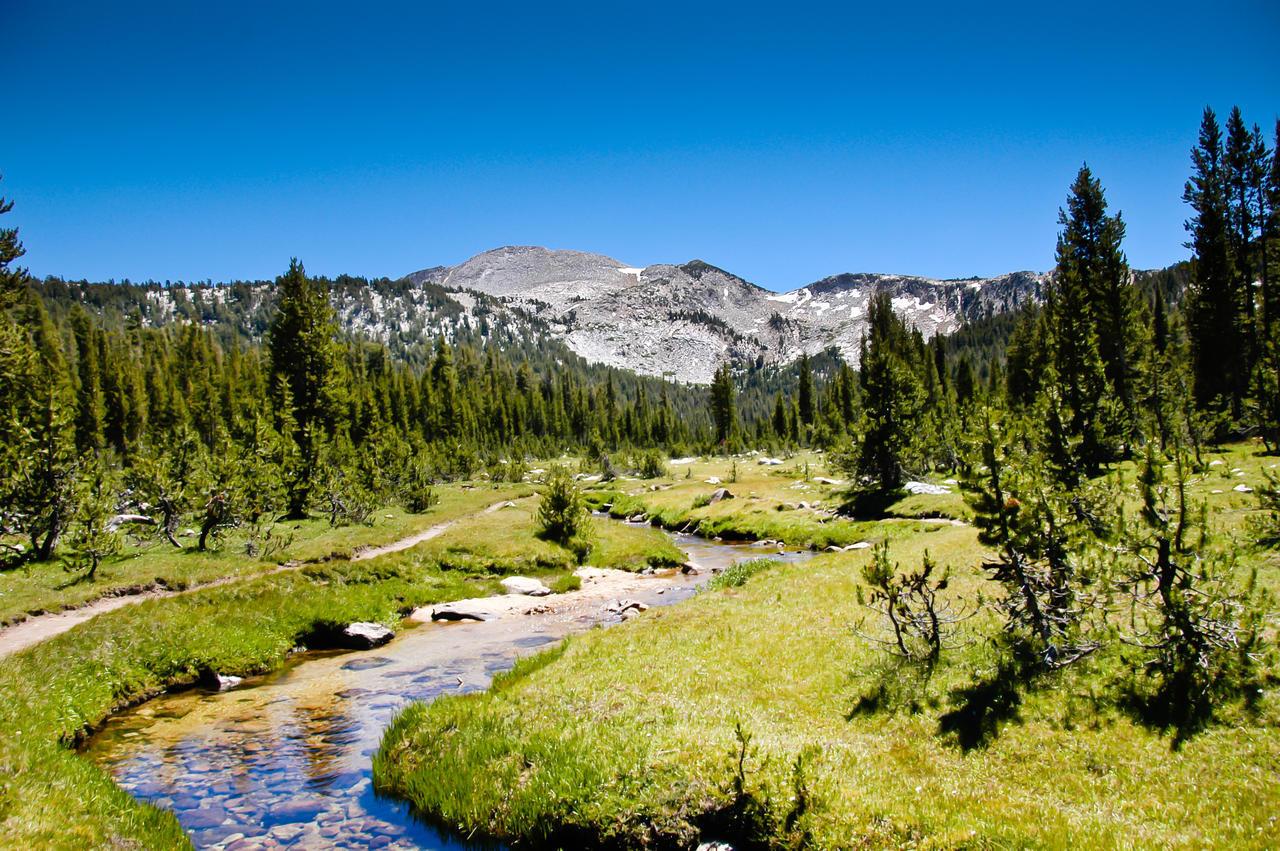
[(766, 505), (52, 694), (45, 587), (600, 744), (506, 541)]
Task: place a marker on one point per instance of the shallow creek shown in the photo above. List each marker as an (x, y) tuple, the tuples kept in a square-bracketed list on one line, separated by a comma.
[(284, 760)]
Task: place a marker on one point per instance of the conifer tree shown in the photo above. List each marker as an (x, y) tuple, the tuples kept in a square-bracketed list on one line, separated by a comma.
[(1215, 304), (1090, 301), (804, 393), (304, 366), (893, 397), (723, 407)]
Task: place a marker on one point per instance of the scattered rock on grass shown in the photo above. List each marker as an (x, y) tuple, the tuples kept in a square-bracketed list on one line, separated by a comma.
[(1243, 489), (925, 488), (719, 494)]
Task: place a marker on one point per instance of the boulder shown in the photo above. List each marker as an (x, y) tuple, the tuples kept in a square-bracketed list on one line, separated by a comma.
[(365, 635), (689, 569), (463, 610), (823, 480), (861, 545), (1243, 489), (925, 488), (770, 462), (719, 494), (713, 480), (525, 585), (220, 682), (619, 607), (121, 519)]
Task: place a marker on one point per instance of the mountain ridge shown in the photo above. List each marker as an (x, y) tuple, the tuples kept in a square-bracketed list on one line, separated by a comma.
[(683, 320)]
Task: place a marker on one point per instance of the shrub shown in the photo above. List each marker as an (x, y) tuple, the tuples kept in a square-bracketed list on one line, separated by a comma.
[(650, 466), (738, 573), (565, 584), (562, 514)]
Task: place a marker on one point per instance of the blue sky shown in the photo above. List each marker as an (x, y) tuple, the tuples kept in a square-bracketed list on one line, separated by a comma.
[(782, 142)]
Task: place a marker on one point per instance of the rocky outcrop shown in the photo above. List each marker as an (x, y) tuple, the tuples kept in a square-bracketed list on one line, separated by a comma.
[(684, 320)]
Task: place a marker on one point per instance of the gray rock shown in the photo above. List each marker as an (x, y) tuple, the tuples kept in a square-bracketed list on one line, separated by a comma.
[(719, 494), (365, 635), (525, 585), (620, 607), (463, 610)]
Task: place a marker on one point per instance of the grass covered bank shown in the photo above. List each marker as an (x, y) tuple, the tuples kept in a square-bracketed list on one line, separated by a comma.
[(757, 714), (53, 693), (47, 586), (795, 502)]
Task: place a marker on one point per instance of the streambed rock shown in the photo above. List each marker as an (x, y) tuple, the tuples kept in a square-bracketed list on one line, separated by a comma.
[(219, 682), (525, 585), (463, 610), (365, 635), (621, 607)]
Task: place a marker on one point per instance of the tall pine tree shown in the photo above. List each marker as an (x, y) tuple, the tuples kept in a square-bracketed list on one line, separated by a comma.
[(304, 364)]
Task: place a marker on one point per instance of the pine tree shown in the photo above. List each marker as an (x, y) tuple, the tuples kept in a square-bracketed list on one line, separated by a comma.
[(1091, 300), (304, 365), (805, 391), (1218, 339), (723, 406), (89, 405), (894, 397)]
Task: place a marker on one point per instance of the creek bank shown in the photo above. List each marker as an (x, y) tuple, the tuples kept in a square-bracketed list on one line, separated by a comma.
[(300, 738)]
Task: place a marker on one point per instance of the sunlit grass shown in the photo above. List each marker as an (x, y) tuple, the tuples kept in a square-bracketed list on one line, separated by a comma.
[(617, 742), (48, 586)]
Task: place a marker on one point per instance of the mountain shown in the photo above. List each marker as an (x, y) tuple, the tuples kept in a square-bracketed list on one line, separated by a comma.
[(678, 321), (684, 320)]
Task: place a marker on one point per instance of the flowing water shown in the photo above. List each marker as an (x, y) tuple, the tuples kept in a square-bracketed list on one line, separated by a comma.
[(284, 760)]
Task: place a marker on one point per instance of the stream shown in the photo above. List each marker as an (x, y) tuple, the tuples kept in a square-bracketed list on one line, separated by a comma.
[(284, 760)]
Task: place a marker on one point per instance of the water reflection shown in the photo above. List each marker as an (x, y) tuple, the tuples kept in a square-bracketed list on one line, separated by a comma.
[(285, 762)]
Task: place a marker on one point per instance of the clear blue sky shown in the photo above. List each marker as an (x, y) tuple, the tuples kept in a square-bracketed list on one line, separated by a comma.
[(783, 142)]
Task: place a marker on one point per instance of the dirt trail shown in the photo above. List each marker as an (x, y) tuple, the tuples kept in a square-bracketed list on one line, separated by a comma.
[(425, 535), (33, 630)]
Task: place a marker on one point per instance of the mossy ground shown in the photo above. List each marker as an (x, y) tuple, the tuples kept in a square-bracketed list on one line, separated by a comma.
[(628, 736)]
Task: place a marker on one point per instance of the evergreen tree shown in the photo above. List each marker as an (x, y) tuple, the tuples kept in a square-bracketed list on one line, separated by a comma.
[(304, 365), (805, 392), (893, 397), (1090, 301), (89, 406), (1215, 303), (723, 407)]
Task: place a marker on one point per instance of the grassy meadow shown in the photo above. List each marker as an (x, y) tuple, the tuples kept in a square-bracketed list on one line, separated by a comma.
[(770, 719), (53, 694), (153, 563)]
